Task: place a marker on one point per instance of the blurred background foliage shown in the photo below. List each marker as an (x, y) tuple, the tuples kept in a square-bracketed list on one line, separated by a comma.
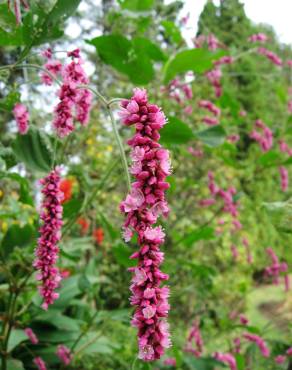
[(130, 43)]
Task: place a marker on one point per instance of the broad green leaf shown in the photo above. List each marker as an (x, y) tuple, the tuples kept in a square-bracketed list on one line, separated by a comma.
[(17, 336), (132, 58), (171, 31), (9, 101), (227, 101), (10, 33), (280, 214), (17, 236), (207, 363), (69, 290), (213, 136), (205, 233), (33, 149), (25, 196), (176, 132), (136, 5), (122, 254), (72, 207), (13, 364), (83, 283), (196, 60), (94, 342), (59, 321), (269, 159)]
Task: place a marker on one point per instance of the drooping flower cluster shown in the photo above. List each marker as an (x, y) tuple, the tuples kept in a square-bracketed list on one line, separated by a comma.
[(64, 354), (21, 116), (17, 8), (284, 176), (31, 335), (226, 358), (50, 233), (144, 204), (40, 364), (274, 58), (264, 138), (210, 40), (276, 268), (258, 37), (259, 342), (206, 104), (195, 343), (181, 92), (75, 100), (214, 77)]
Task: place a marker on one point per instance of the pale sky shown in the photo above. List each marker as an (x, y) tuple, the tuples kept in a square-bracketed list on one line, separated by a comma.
[(277, 13)]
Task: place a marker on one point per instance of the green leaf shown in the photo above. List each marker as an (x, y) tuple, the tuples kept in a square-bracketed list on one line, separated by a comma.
[(269, 159), (93, 342), (196, 60), (72, 207), (59, 321), (136, 5), (9, 101), (172, 32), (17, 336), (227, 101), (207, 363), (205, 233), (68, 291), (176, 132), (17, 236), (122, 254), (132, 58), (33, 149), (280, 214), (84, 284), (13, 364), (213, 136), (25, 196), (11, 34)]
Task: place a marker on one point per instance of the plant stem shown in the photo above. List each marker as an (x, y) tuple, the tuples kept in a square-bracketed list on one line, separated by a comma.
[(121, 149)]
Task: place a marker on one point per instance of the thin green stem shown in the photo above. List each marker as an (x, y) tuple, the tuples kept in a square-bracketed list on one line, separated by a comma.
[(121, 149)]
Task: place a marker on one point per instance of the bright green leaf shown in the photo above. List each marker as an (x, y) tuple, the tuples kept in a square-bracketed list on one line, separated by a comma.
[(136, 5), (176, 132), (213, 136), (17, 236)]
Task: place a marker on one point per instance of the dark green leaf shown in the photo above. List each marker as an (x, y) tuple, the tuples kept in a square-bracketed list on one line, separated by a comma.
[(72, 207), (122, 254), (213, 136), (205, 233), (17, 236), (172, 31), (33, 149), (196, 60), (136, 5), (176, 132), (9, 101)]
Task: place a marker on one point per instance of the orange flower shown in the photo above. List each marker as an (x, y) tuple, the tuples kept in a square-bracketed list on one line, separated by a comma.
[(66, 187), (98, 235), (84, 225)]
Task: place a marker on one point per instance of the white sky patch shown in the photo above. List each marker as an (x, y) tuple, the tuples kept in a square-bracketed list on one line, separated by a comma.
[(272, 12)]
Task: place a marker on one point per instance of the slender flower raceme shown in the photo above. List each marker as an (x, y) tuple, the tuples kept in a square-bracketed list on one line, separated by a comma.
[(74, 101), (259, 342), (284, 178), (271, 56), (21, 116), (40, 363), (195, 343), (50, 234), (64, 354), (258, 37), (146, 201), (226, 358), (31, 335)]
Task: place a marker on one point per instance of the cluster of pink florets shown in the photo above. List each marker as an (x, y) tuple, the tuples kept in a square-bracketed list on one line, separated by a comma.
[(264, 137), (208, 105), (144, 204), (195, 344), (226, 358), (274, 58), (210, 41), (276, 268), (181, 92), (46, 253), (258, 37), (21, 116), (75, 100)]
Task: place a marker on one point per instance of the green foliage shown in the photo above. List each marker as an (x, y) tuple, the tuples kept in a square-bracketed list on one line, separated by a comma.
[(176, 132)]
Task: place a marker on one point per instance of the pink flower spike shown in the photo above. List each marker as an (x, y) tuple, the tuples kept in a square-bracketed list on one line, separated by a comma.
[(21, 116), (259, 342), (64, 354), (31, 335), (280, 359), (142, 207), (40, 364), (46, 253)]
